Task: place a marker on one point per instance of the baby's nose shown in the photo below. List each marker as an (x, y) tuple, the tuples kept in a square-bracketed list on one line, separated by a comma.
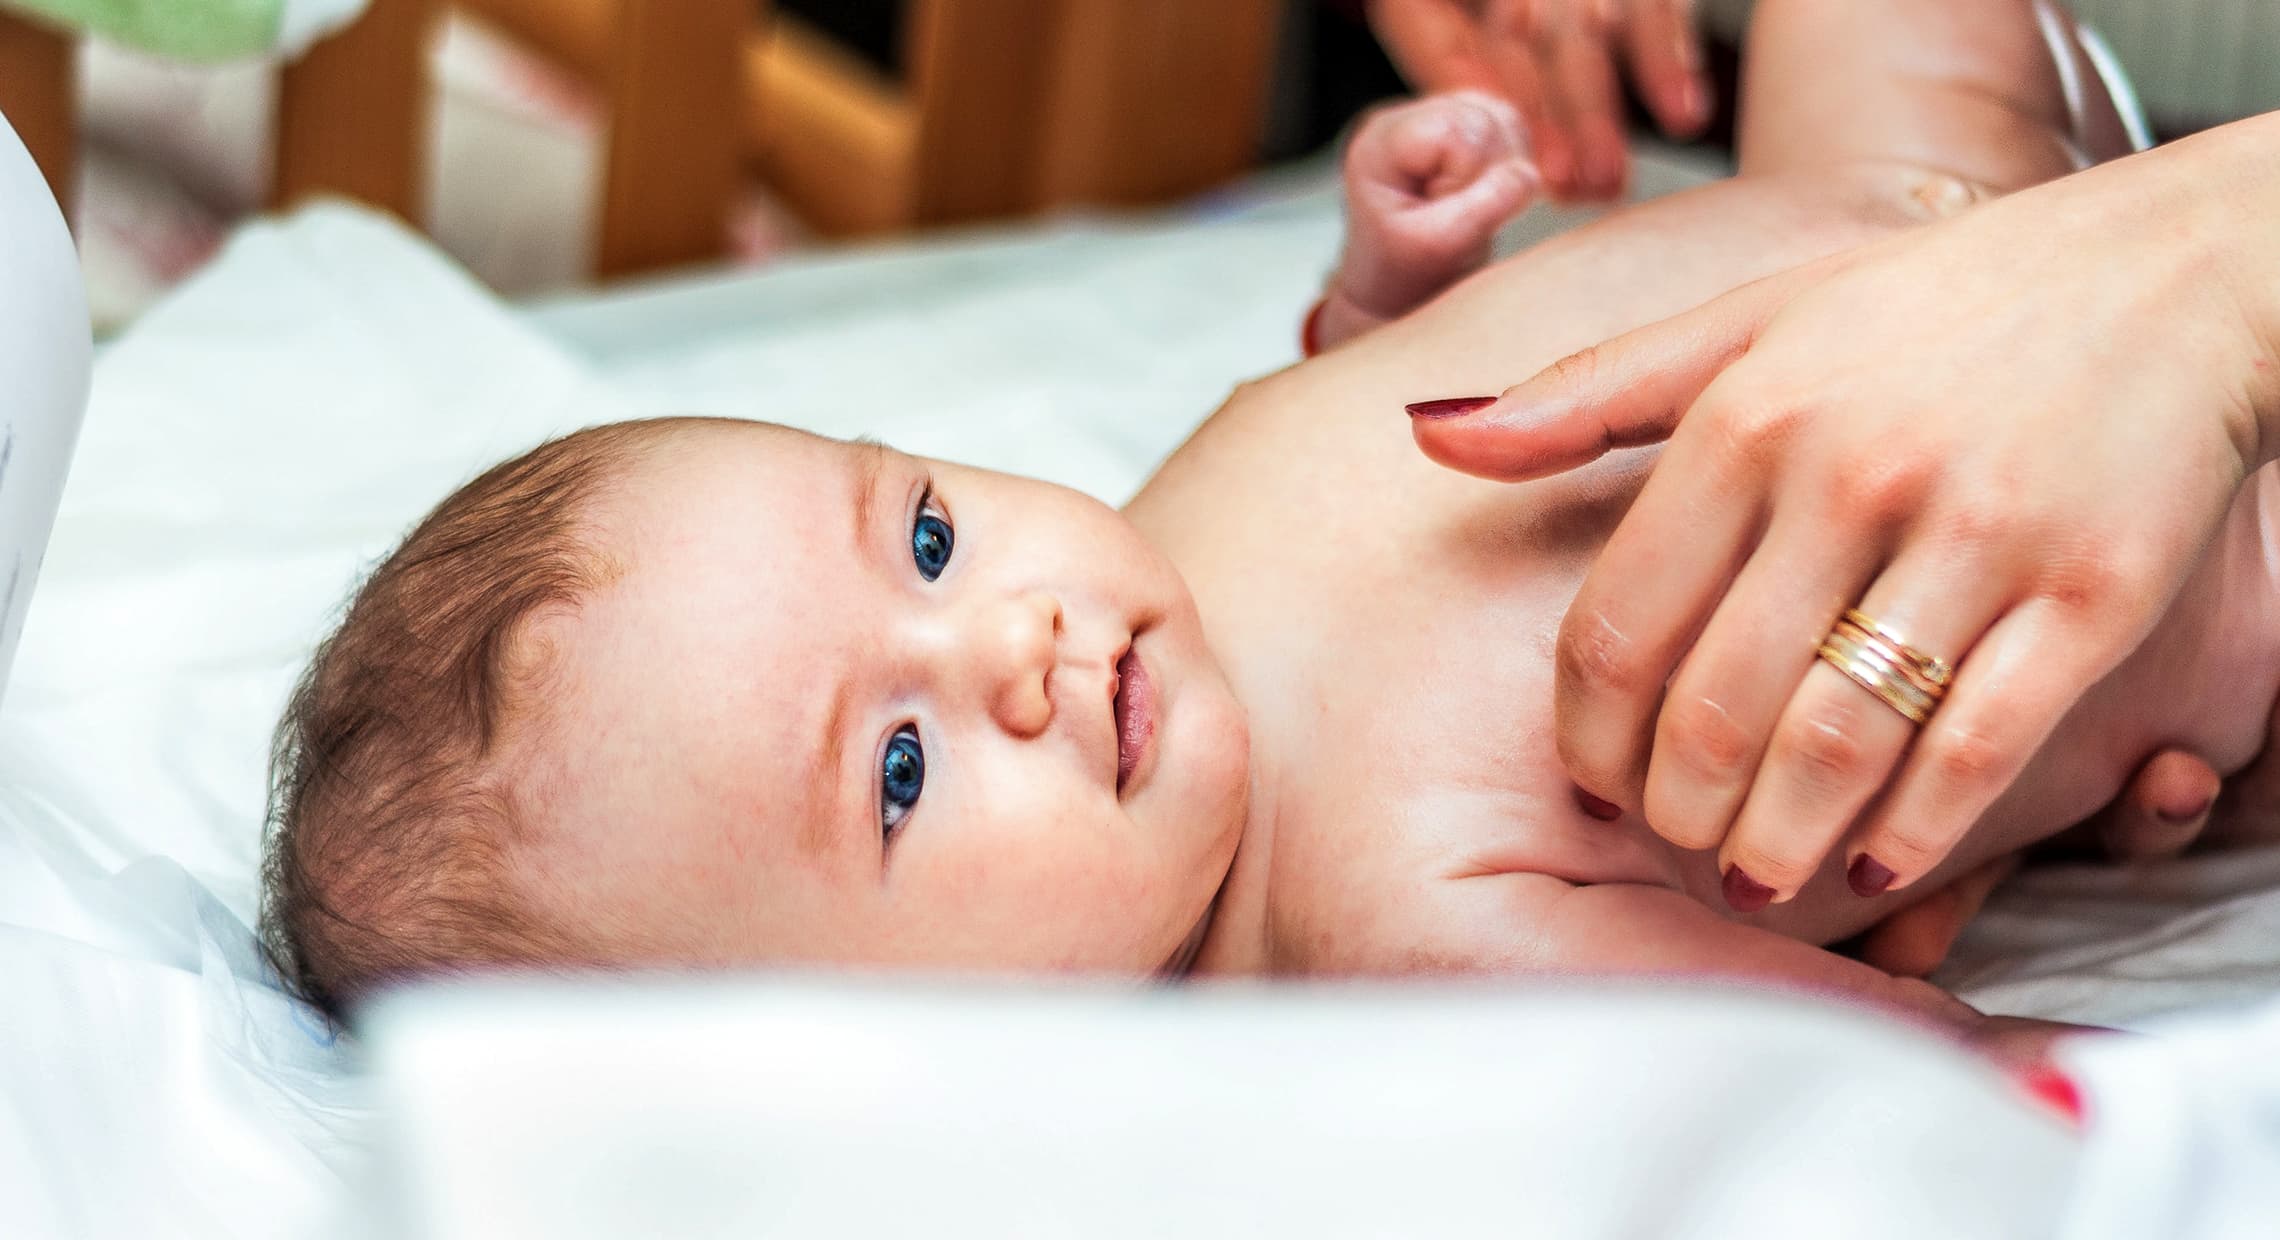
[(1018, 645)]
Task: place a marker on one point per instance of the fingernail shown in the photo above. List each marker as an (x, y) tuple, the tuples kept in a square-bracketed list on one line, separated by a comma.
[(2178, 818), (1745, 894), (1604, 811), (1867, 876), (1449, 407), (2055, 1090), (1694, 104)]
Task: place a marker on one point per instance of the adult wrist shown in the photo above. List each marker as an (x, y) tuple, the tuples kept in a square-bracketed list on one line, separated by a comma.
[(2235, 180)]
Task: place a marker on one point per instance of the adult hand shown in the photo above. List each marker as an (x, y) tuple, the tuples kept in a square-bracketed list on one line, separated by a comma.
[(1556, 60), (2162, 812), (2007, 436)]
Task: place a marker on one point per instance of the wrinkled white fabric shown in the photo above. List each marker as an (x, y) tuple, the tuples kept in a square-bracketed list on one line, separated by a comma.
[(270, 430)]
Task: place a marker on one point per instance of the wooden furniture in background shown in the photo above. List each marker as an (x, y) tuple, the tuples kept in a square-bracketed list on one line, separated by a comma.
[(353, 113), (1004, 107), (354, 118), (38, 94), (669, 72), (670, 174)]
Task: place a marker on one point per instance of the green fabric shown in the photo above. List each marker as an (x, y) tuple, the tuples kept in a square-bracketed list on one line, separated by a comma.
[(179, 29)]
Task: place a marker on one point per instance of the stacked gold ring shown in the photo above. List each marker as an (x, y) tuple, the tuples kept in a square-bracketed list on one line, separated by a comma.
[(1875, 658)]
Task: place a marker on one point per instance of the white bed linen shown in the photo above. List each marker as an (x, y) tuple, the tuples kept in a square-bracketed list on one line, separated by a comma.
[(804, 1109), (266, 433)]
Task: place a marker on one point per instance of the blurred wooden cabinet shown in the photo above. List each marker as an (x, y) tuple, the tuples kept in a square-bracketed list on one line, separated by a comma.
[(1003, 106), (353, 118), (37, 95)]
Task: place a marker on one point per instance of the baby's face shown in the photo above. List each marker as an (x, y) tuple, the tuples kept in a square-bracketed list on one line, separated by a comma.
[(845, 706)]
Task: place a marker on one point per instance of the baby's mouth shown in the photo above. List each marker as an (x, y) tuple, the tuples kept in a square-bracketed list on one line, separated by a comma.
[(1135, 706)]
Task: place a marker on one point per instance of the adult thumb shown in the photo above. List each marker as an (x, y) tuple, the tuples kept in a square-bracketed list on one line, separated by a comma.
[(2162, 811), (1632, 390)]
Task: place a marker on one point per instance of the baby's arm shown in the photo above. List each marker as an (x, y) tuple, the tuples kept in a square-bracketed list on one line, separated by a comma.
[(1538, 925), (1428, 183)]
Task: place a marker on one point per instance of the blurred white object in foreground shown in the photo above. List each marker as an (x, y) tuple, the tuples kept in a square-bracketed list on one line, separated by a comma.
[(45, 354), (2184, 1130), (804, 1110)]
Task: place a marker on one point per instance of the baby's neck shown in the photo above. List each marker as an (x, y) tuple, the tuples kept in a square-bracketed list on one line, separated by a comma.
[(1232, 940), (1235, 939)]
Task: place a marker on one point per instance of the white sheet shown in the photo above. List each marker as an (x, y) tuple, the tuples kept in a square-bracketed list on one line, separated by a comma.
[(800, 1109), (269, 431)]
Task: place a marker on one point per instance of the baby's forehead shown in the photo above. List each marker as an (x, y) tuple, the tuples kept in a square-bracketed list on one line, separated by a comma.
[(710, 659)]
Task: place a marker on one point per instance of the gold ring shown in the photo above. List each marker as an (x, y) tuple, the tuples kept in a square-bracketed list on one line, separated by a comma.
[(1872, 656), (1934, 668)]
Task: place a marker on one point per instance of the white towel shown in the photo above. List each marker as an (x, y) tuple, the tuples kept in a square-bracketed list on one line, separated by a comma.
[(2183, 1138)]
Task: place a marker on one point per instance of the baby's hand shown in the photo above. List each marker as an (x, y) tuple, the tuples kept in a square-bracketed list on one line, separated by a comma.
[(1428, 183)]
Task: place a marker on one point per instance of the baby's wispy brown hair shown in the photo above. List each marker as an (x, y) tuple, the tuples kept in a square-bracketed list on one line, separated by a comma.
[(390, 816)]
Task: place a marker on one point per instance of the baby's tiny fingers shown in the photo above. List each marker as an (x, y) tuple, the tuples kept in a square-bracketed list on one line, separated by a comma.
[(1482, 206)]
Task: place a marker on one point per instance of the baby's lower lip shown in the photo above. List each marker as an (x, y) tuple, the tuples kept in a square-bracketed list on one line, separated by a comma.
[(1135, 715)]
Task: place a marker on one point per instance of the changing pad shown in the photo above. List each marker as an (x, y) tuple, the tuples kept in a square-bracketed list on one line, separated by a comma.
[(265, 434)]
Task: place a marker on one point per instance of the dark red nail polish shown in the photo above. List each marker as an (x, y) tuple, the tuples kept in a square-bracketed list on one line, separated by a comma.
[(1451, 407), (2055, 1090), (1604, 811), (1867, 876), (1745, 894)]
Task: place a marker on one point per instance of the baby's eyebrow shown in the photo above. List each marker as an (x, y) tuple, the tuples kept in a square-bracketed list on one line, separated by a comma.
[(822, 822), (870, 464)]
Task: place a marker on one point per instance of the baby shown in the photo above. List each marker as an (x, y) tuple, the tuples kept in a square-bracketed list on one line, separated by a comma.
[(714, 693)]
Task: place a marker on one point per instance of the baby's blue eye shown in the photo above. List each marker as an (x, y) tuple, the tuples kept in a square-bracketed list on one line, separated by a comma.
[(930, 540), (902, 772)]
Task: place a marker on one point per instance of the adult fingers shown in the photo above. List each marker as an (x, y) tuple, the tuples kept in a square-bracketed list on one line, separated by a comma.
[(2162, 811), (1509, 34), (1587, 101), (1629, 391), (1838, 742), (1742, 672), (1913, 941), (2008, 695), (1657, 580), (1664, 49), (1435, 43)]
